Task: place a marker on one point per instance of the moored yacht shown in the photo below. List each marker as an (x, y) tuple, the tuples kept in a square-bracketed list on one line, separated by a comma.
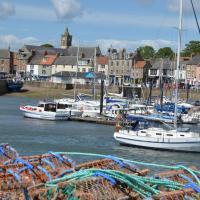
[(45, 110), (158, 138)]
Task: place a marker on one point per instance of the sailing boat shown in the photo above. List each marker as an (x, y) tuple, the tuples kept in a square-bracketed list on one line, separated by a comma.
[(138, 134)]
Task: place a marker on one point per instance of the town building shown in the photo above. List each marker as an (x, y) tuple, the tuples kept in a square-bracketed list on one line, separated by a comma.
[(162, 69), (68, 58), (121, 66), (66, 39), (64, 64), (193, 71), (39, 67), (182, 71), (102, 64), (6, 61), (137, 71)]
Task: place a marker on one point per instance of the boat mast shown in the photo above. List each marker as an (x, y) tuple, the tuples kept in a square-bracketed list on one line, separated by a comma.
[(95, 63), (161, 84), (178, 59), (77, 60)]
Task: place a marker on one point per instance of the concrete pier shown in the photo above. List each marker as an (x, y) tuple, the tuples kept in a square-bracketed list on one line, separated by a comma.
[(3, 87), (94, 120)]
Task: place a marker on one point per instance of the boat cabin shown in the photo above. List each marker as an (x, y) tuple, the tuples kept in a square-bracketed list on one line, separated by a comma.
[(49, 107)]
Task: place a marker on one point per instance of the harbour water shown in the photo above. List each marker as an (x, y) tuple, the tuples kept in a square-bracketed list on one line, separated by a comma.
[(30, 136)]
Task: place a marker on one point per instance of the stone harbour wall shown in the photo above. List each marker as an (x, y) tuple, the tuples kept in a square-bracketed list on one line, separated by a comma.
[(3, 87)]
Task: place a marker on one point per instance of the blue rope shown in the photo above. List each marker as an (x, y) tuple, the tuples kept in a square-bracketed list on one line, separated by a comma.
[(105, 176)]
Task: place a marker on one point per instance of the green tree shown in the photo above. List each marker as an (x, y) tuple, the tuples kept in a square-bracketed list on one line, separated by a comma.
[(165, 52), (147, 52), (47, 45), (193, 47)]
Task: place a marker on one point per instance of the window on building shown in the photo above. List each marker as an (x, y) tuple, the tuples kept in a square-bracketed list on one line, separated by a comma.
[(83, 55), (43, 71), (117, 63), (164, 72), (2, 62), (31, 71), (44, 59)]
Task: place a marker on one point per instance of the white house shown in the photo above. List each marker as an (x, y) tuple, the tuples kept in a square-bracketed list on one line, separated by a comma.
[(40, 66), (102, 65), (69, 64), (64, 64)]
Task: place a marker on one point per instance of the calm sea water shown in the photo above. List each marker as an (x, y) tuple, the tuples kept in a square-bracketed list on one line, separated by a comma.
[(30, 136)]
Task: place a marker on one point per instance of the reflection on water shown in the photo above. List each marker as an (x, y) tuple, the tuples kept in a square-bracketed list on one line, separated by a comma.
[(37, 136)]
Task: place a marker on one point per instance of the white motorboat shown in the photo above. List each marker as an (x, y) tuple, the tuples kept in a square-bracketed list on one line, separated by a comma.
[(70, 106), (45, 110), (88, 108), (158, 138)]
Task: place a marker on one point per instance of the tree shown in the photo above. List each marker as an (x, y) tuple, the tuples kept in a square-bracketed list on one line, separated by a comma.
[(193, 47), (165, 52), (47, 45), (147, 52)]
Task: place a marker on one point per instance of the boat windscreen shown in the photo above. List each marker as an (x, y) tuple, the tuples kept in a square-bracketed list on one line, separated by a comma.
[(41, 105), (50, 107)]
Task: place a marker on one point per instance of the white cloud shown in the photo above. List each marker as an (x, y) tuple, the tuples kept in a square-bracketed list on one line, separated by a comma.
[(6, 9), (15, 42), (67, 9)]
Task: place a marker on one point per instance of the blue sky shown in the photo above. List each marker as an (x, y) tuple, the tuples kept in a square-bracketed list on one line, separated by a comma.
[(122, 24)]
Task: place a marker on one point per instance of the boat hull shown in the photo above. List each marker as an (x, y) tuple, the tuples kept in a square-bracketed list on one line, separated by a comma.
[(88, 113), (46, 116), (189, 145), (75, 113)]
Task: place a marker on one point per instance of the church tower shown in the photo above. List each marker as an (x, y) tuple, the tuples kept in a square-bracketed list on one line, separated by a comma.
[(66, 39)]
